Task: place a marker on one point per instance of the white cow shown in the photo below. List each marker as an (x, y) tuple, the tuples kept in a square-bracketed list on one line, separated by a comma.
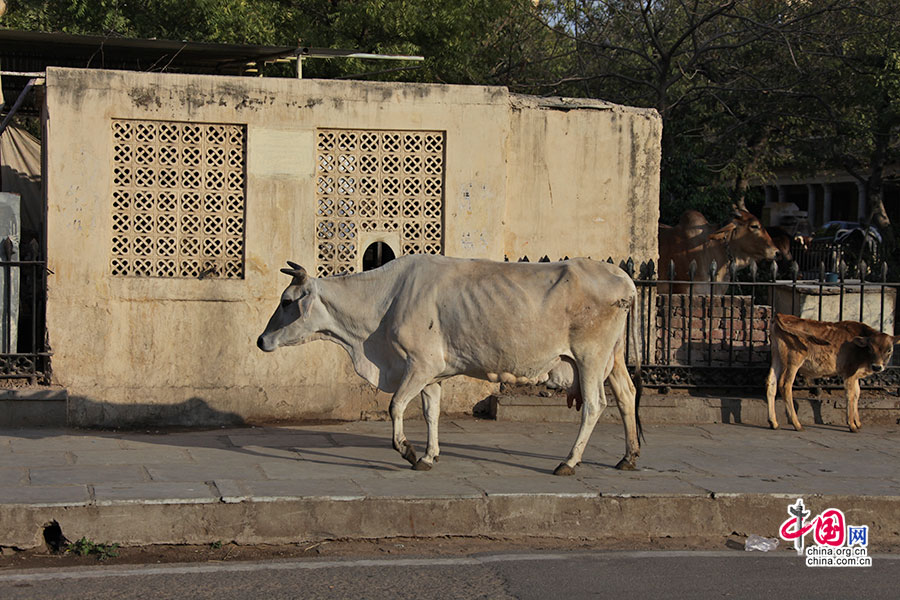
[(421, 319)]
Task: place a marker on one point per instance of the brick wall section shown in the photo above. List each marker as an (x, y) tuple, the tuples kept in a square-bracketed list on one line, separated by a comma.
[(718, 330)]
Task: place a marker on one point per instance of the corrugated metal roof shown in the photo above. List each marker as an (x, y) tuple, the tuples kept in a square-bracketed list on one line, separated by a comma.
[(33, 51)]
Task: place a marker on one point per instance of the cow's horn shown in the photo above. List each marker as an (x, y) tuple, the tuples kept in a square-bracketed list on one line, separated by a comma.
[(297, 271), (294, 265)]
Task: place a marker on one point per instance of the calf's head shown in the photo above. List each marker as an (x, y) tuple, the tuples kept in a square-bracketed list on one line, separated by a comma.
[(877, 351), (747, 239), (299, 315)]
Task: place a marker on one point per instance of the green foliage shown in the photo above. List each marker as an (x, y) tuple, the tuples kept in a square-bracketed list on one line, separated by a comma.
[(466, 41), (86, 547), (745, 88)]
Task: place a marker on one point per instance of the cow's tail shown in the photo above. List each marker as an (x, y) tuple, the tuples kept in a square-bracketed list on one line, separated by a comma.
[(635, 344)]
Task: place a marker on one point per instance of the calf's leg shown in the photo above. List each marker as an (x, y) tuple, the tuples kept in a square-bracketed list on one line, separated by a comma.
[(851, 386), (771, 388), (787, 392)]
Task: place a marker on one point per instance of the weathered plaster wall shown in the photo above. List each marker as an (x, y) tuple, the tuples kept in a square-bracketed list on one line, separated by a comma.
[(145, 350), (584, 180)]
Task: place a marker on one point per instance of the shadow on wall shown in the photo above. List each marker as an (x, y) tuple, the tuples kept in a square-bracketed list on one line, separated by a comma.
[(194, 412), (731, 410)]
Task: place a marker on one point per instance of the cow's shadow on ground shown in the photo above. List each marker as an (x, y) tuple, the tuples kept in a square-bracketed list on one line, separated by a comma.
[(196, 424)]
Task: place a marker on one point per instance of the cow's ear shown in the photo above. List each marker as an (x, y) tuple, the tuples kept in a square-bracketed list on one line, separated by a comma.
[(862, 342), (306, 305), (896, 340), (725, 233)]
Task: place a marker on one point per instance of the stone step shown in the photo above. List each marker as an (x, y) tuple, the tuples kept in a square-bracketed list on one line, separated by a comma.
[(676, 407), (34, 406)]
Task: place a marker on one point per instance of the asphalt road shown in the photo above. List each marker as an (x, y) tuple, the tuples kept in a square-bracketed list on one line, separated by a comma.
[(663, 574)]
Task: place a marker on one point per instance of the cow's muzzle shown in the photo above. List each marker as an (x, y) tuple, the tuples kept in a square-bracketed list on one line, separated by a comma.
[(877, 368), (263, 345)]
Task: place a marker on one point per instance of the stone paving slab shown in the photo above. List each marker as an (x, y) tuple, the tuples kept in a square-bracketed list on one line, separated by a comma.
[(520, 485), (13, 476), (29, 459), (154, 493), (144, 456), (269, 491), (493, 478), (87, 475), (45, 495)]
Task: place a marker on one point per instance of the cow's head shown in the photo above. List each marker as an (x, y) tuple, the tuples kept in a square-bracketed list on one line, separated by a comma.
[(782, 241), (299, 315), (746, 238), (878, 347)]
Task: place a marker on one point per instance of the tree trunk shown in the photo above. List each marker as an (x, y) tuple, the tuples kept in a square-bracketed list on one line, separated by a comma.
[(739, 191), (879, 218)]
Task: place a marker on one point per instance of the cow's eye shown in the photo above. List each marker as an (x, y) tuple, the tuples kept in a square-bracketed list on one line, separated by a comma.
[(285, 303)]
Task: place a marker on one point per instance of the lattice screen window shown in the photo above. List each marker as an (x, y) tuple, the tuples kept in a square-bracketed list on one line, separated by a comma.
[(377, 181), (177, 199)]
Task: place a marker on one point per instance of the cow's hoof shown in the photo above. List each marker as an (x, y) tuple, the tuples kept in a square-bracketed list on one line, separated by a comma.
[(421, 465), (773, 425), (564, 470), (798, 427), (626, 465), (409, 453), (854, 428)]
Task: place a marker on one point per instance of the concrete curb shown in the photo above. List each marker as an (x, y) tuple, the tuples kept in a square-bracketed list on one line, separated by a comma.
[(282, 521)]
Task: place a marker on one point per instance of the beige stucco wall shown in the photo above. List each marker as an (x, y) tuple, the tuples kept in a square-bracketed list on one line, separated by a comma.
[(520, 174), (583, 180)]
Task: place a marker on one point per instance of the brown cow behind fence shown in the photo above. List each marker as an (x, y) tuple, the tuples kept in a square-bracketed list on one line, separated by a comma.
[(742, 240)]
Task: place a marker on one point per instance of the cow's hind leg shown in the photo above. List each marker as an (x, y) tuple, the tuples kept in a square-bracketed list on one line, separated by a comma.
[(431, 408), (851, 386), (410, 387), (591, 380), (624, 390)]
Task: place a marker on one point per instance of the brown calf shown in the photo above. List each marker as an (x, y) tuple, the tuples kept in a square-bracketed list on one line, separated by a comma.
[(848, 349)]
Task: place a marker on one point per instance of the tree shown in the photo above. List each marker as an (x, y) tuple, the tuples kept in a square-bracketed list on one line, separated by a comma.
[(853, 117), (728, 78), (467, 41)]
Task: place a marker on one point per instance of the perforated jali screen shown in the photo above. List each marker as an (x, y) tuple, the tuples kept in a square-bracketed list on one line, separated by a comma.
[(377, 181), (178, 194)]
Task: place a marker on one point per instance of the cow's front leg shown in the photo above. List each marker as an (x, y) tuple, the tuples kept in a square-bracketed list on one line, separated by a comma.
[(431, 408), (411, 386), (594, 403), (851, 386)]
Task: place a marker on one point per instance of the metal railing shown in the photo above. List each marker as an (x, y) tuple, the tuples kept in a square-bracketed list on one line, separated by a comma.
[(24, 352), (715, 334)]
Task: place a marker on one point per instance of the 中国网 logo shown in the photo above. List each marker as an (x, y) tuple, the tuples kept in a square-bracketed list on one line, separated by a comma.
[(834, 543)]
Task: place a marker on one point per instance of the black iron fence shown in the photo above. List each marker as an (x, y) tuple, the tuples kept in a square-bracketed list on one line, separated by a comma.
[(697, 333), (814, 257), (24, 352)]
